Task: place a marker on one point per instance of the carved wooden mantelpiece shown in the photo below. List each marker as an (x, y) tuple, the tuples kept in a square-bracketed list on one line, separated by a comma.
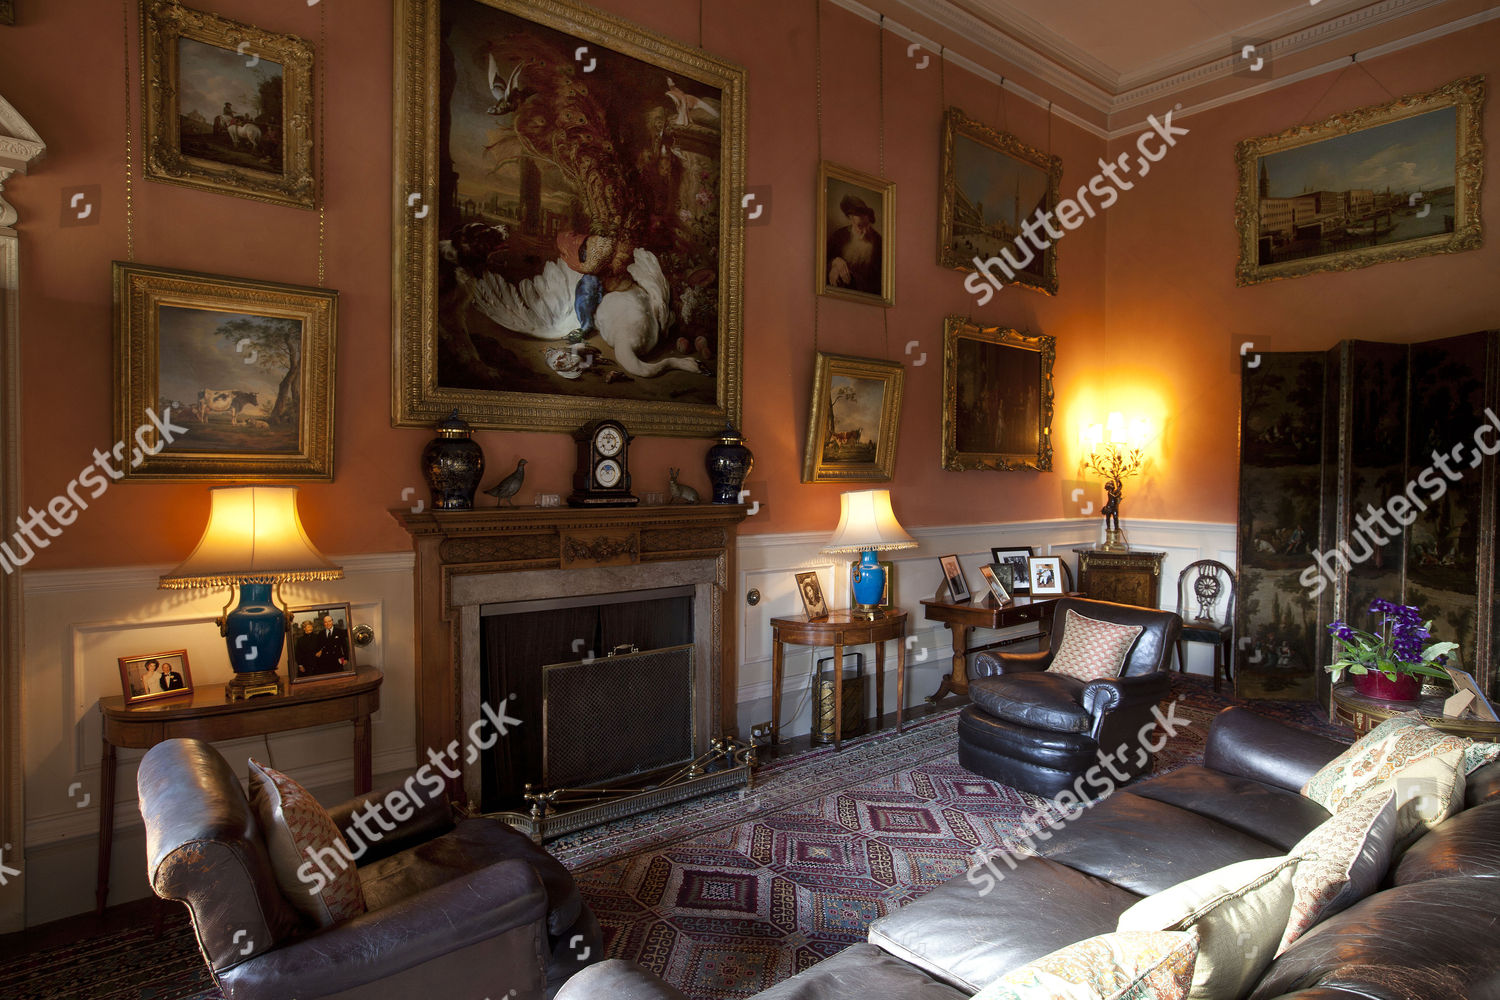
[(469, 558)]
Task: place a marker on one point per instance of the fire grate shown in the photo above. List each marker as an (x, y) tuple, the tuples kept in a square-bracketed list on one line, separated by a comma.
[(609, 718)]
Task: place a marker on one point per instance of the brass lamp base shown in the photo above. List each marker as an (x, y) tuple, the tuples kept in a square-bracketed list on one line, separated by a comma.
[(252, 684), (867, 612), (1114, 541)]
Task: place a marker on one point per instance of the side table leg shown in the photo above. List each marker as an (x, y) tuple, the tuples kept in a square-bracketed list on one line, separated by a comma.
[(956, 681), (776, 665), (879, 683), (106, 822), (363, 765), (900, 680)]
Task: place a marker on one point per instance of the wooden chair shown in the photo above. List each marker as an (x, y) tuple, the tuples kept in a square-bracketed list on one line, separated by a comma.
[(1205, 600)]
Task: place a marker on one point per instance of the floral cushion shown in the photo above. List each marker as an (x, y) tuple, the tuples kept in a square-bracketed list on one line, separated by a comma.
[(311, 861), (1239, 913), (1476, 754), (1093, 649), (1423, 765), (1343, 861), (1126, 965)]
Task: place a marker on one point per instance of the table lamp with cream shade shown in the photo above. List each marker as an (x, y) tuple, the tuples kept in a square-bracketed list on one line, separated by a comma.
[(868, 525), (254, 540)]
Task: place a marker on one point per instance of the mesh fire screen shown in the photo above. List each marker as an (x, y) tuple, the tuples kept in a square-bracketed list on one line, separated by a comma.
[(616, 716)]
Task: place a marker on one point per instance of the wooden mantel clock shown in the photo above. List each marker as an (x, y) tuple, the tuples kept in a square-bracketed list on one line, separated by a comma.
[(603, 475)]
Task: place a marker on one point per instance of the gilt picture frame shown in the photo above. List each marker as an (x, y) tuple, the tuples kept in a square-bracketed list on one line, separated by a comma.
[(228, 107), (222, 379), (1388, 182), (854, 420), (997, 398), (155, 677), (568, 237), (992, 183), (856, 236)]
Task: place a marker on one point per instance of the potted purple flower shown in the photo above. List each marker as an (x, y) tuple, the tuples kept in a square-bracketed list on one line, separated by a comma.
[(1390, 663)]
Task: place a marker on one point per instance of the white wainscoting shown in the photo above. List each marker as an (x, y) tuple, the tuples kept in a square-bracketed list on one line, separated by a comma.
[(767, 564), (78, 622)]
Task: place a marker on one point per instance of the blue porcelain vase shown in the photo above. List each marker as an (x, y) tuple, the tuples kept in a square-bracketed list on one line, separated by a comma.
[(728, 462), (256, 630), (869, 584)]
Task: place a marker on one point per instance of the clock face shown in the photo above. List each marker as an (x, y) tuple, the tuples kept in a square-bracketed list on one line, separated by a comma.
[(607, 473), (609, 441)]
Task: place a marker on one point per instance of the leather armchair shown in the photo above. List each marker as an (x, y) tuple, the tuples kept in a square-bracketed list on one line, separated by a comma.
[(1043, 732), (471, 908)]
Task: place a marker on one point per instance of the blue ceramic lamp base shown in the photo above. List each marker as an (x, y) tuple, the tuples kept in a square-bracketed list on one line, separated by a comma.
[(869, 587), (256, 634)]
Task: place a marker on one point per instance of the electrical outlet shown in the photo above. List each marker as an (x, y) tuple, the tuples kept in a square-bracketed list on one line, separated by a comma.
[(760, 731)]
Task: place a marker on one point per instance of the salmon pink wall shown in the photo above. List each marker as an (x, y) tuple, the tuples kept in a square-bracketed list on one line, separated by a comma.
[(62, 69), (1176, 318)]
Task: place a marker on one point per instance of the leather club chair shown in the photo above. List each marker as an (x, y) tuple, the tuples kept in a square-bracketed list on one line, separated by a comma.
[(1041, 732), (466, 909)]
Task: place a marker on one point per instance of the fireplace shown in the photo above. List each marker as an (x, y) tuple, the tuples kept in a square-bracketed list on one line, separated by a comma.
[(587, 569)]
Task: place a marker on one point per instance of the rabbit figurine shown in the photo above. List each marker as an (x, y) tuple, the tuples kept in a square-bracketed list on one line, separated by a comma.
[(680, 493)]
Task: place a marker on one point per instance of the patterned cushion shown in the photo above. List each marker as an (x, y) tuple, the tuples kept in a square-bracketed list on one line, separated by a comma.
[(1343, 861), (299, 835), (1423, 765), (1126, 965), (1239, 913), (1476, 754), (1092, 649)]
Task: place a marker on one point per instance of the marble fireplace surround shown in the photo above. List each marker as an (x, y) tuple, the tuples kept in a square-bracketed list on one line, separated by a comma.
[(467, 560)]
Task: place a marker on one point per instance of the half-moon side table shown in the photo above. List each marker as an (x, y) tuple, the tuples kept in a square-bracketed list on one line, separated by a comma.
[(839, 629), (205, 715)]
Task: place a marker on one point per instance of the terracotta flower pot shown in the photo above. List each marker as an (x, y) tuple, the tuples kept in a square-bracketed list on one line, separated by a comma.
[(1406, 687)]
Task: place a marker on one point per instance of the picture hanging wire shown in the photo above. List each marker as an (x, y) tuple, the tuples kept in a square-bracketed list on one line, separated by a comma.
[(322, 139), (885, 312), (818, 104), (129, 193)]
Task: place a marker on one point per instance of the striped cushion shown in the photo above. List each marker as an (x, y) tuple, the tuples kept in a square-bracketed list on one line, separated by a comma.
[(313, 864), (1092, 649)]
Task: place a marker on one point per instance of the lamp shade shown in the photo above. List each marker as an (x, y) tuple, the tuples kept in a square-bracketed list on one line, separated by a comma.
[(253, 536), (867, 522)]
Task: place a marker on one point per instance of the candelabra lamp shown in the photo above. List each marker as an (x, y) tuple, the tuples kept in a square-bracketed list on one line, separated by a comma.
[(254, 541), (868, 525), (1116, 453)]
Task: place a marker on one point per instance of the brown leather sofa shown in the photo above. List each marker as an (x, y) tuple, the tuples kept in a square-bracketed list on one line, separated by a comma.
[(1040, 731), (1428, 934), (466, 909)]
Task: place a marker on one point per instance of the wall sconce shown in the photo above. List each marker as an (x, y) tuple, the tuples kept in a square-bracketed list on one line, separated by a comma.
[(1116, 452)]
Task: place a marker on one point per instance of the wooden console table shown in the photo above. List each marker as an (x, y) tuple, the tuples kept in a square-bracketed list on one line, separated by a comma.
[(1361, 713), (840, 629), (1123, 577), (205, 715), (985, 613)]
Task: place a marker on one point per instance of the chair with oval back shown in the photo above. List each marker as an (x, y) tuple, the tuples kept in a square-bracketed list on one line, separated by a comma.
[(1205, 600)]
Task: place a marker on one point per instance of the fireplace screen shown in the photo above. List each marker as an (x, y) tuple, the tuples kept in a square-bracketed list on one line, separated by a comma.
[(613, 717)]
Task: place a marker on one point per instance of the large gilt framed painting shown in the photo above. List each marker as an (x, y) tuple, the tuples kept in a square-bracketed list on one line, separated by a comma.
[(1384, 183), (854, 421), (568, 235), (221, 378), (997, 398)]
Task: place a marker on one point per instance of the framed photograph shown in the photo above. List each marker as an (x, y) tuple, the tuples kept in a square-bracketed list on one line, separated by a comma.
[(993, 183), (1019, 561), (155, 676), (997, 589), (812, 596), (885, 595), (997, 398), (223, 379), (569, 239), (1388, 182), (958, 586), (1046, 576), (856, 413), (856, 231), (317, 644), (228, 107)]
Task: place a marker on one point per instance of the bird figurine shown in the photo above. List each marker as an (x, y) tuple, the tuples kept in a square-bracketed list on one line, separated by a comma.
[(510, 485)]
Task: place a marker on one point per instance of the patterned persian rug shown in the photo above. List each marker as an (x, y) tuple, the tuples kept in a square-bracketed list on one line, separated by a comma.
[(726, 896)]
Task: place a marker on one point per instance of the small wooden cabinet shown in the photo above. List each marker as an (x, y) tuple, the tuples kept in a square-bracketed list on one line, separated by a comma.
[(1122, 577)]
